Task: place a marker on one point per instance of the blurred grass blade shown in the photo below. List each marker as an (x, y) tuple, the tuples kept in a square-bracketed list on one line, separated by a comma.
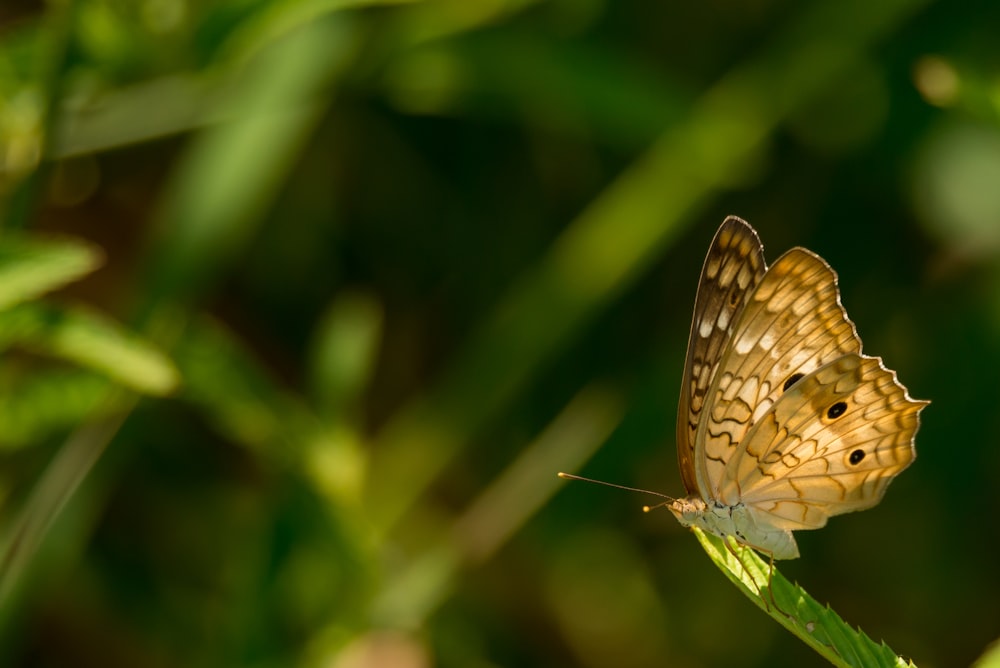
[(990, 658), (343, 353), (280, 19), (428, 21), (237, 395), (503, 507), (61, 478), (91, 340), (222, 378), (31, 266), (51, 59), (224, 187), (141, 112), (816, 625), (530, 481)]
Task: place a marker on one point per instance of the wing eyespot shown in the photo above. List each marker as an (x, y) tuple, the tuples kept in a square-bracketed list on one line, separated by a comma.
[(794, 378), (856, 457), (836, 410)]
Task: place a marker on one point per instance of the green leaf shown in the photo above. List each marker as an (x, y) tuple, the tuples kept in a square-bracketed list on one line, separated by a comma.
[(240, 397), (788, 604), (343, 352), (91, 340), (32, 266), (42, 403), (990, 658), (236, 393)]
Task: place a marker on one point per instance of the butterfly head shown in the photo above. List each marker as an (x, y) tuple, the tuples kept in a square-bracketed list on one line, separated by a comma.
[(689, 510)]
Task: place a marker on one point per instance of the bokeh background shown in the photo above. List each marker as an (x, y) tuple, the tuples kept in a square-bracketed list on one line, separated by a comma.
[(374, 271)]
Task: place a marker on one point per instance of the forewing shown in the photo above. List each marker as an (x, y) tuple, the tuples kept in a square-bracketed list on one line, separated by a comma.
[(734, 265), (829, 445), (792, 324)]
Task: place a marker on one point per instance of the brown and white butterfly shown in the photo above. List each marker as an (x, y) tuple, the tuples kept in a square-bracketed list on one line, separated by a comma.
[(782, 422)]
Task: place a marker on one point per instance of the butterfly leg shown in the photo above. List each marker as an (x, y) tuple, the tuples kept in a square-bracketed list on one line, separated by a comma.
[(770, 587), (770, 579)]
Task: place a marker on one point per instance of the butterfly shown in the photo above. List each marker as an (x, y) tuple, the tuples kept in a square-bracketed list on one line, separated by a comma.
[(783, 422)]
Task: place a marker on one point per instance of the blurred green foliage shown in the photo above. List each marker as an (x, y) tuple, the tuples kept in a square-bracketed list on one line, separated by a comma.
[(304, 303)]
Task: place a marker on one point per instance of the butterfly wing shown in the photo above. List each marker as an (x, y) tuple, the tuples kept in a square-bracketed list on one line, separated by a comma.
[(830, 444), (792, 324), (734, 265)]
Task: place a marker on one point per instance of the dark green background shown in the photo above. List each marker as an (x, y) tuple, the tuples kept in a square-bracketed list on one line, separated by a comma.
[(412, 258)]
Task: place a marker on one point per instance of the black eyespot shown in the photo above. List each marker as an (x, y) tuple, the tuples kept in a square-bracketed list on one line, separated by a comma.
[(836, 410), (734, 298), (857, 456), (794, 378)]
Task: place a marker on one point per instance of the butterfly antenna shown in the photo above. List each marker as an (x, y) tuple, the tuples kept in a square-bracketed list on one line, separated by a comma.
[(646, 509), (669, 499)]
